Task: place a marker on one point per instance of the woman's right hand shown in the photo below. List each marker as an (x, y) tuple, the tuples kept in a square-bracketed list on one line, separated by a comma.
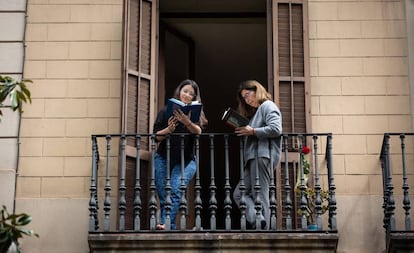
[(172, 124)]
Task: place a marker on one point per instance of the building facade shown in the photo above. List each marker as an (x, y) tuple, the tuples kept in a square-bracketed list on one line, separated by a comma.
[(358, 75)]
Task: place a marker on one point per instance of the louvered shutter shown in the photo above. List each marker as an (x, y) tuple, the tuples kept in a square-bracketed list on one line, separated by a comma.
[(291, 82), (138, 81), (291, 68)]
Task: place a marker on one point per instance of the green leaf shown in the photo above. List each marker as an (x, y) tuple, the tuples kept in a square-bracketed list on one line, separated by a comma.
[(13, 100), (24, 219), (26, 92), (17, 90), (21, 96)]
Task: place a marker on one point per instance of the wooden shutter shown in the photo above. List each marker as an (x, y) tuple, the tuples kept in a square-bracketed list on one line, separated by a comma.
[(138, 83), (290, 77), (138, 65), (291, 69)]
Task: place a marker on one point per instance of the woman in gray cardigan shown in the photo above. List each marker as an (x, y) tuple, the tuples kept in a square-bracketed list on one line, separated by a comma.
[(262, 143)]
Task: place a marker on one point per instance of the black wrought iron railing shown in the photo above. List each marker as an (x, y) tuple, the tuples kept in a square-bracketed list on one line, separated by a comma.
[(397, 169), (125, 162)]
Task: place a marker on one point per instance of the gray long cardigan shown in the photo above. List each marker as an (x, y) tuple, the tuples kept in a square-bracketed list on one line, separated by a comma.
[(267, 122)]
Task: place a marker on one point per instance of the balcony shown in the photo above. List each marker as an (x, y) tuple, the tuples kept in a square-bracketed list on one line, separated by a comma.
[(397, 164), (124, 219)]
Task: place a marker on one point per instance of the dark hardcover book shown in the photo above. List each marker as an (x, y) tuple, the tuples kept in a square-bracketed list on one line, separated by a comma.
[(234, 119), (195, 108)]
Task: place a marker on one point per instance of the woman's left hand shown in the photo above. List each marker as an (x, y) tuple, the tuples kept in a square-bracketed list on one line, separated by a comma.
[(244, 131), (181, 117)]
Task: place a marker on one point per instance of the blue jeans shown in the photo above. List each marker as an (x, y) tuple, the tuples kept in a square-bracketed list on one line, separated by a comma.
[(160, 164)]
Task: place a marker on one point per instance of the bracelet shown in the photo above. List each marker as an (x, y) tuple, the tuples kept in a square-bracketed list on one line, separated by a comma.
[(254, 132)]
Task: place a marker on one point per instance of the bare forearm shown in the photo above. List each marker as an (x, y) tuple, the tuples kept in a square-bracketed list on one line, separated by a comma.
[(193, 128)]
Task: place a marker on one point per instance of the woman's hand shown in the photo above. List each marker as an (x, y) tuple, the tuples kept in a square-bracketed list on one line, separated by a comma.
[(181, 117), (172, 124), (244, 131)]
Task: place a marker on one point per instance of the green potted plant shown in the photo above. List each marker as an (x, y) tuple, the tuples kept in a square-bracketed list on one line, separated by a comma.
[(309, 192), (12, 228), (310, 195)]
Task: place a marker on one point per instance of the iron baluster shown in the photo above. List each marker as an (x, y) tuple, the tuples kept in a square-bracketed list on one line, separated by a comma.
[(242, 188), (405, 187), (183, 201), (122, 186), (227, 187), (107, 201), (257, 188), (213, 188), (390, 200), (318, 199), (93, 189), (137, 188), (384, 157), (152, 201), (332, 187), (198, 202), (167, 205), (288, 206), (302, 187), (272, 193)]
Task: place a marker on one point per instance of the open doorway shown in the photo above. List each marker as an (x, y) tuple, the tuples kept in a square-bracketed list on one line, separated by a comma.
[(218, 44)]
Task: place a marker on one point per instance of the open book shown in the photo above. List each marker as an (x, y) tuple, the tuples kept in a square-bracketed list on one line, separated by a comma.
[(234, 119), (175, 104)]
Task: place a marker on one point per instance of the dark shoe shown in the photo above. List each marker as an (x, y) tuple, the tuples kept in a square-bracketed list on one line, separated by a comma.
[(263, 224), (250, 225)]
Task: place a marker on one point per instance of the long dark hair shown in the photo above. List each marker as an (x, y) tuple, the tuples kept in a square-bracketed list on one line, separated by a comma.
[(196, 97)]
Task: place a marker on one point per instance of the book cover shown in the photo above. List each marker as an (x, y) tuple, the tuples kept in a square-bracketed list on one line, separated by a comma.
[(234, 119), (175, 104)]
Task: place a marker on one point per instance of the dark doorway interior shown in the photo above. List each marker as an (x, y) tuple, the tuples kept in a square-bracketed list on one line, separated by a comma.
[(218, 44)]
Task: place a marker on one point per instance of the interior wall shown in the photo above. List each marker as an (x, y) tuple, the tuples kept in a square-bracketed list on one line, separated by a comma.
[(226, 53)]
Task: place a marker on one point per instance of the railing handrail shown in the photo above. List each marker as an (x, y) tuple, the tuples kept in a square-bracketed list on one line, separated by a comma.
[(389, 205), (94, 207), (202, 134)]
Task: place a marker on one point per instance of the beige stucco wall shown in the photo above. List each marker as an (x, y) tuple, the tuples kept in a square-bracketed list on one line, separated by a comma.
[(409, 10), (73, 56), (360, 89)]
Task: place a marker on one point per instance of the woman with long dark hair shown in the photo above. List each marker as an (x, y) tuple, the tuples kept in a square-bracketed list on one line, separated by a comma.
[(187, 92)]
